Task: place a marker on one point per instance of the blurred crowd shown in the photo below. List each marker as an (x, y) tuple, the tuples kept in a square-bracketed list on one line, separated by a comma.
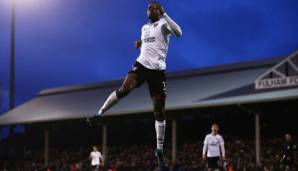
[(240, 157)]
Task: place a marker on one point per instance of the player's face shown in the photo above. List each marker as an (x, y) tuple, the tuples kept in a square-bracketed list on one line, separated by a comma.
[(152, 11), (288, 137), (214, 129), (94, 149)]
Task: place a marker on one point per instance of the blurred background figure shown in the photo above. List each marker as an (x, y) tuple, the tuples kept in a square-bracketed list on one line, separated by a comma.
[(214, 148), (96, 159), (289, 149)]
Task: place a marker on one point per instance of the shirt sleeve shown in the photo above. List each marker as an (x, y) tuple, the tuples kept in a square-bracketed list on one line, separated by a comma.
[(173, 27), (141, 31), (205, 146), (222, 147)]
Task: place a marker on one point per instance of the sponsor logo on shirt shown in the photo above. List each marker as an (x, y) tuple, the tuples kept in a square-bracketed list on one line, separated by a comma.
[(149, 39)]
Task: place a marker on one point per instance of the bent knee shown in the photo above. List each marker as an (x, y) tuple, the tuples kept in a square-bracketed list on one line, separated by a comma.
[(122, 92)]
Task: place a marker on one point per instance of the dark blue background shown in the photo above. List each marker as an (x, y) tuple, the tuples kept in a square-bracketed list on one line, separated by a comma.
[(64, 42)]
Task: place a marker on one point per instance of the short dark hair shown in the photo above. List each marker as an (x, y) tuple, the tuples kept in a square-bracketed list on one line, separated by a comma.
[(214, 124), (154, 2)]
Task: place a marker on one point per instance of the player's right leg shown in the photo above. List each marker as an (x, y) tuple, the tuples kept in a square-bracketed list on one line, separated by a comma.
[(128, 85)]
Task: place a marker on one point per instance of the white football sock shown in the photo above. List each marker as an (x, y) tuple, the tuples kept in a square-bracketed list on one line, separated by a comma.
[(160, 127), (111, 101)]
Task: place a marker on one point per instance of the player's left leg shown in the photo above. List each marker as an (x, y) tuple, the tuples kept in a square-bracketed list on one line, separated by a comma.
[(160, 126), (157, 87), (160, 123)]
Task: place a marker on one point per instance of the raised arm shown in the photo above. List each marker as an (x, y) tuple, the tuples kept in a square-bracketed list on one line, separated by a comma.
[(172, 26)]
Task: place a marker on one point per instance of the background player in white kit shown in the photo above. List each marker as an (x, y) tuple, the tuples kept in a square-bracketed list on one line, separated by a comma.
[(150, 67), (214, 148), (96, 159)]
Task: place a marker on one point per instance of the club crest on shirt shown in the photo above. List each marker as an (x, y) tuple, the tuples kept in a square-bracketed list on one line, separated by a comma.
[(155, 25)]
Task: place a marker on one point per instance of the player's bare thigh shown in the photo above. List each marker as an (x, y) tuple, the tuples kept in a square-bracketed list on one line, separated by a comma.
[(128, 84)]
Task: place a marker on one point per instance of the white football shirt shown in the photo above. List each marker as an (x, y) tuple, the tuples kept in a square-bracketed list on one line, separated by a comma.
[(95, 158), (155, 42), (214, 145)]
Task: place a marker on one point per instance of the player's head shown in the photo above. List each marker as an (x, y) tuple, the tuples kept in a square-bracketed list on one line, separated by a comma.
[(288, 137), (94, 148), (214, 128), (153, 10)]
